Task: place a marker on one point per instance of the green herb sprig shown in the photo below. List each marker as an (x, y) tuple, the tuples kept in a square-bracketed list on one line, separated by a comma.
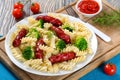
[(108, 19)]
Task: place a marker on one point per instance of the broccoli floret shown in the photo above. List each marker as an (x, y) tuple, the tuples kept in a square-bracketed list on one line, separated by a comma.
[(81, 43), (41, 23), (60, 44), (49, 34), (68, 27), (33, 33), (27, 53)]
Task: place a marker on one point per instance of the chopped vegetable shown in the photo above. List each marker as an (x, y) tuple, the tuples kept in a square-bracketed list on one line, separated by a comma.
[(60, 44), (18, 5), (108, 19), (17, 13), (68, 27), (110, 69), (81, 43), (49, 34), (33, 33), (41, 22), (38, 24), (27, 53), (35, 7)]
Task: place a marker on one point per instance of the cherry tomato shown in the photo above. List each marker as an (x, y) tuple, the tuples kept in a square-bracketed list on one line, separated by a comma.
[(110, 69), (35, 7), (18, 5), (17, 13)]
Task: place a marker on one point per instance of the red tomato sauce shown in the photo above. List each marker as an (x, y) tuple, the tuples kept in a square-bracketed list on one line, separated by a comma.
[(88, 6)]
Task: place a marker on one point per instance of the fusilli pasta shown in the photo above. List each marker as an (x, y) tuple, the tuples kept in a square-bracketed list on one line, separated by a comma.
[(48, 46)]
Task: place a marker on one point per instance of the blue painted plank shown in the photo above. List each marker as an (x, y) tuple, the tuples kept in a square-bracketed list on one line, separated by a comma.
[(6, 74), (98, 74)]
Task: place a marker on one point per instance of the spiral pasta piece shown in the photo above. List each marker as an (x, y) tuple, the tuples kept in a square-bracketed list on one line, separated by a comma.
[(17, 54), (78, 59), (20, 26), (46, 48), (66, 65), (27, 41), (53, 69), (70, 48), (47, 25), (31, 20), (36, 64)]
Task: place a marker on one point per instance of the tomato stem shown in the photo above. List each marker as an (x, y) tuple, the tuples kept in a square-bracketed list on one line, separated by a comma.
[(32, 4), (19, 2), (110, 63)]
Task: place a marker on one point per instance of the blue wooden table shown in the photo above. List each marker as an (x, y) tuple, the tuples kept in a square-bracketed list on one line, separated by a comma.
[(98, 74), (5, 73)]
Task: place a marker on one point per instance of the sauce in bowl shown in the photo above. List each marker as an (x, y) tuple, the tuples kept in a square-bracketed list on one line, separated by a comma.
[(88, 6)]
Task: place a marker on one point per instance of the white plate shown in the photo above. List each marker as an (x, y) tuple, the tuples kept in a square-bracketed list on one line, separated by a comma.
[(77, 67)]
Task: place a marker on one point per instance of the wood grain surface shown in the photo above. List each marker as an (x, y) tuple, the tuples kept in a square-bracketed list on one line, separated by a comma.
[(6, 7), (114, 3), (105, 50)]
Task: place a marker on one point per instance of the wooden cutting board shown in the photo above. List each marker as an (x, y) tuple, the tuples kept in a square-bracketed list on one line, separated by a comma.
[(105, 51)]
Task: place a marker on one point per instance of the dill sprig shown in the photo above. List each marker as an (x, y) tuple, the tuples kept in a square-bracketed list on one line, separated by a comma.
[(108, 19)]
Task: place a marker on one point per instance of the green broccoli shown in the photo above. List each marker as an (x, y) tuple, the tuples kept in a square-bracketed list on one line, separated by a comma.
[(81, 43), (60, 44), (33, 33), (49, 34), (27, 53), (68, 27), (41, 23)]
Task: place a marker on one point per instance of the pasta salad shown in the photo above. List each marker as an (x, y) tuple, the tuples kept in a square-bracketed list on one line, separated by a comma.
[(50, 43)]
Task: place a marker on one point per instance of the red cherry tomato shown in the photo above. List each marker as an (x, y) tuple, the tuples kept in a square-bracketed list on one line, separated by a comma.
[(18, 5), (17, 13), (110, 69), (35, 7)]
